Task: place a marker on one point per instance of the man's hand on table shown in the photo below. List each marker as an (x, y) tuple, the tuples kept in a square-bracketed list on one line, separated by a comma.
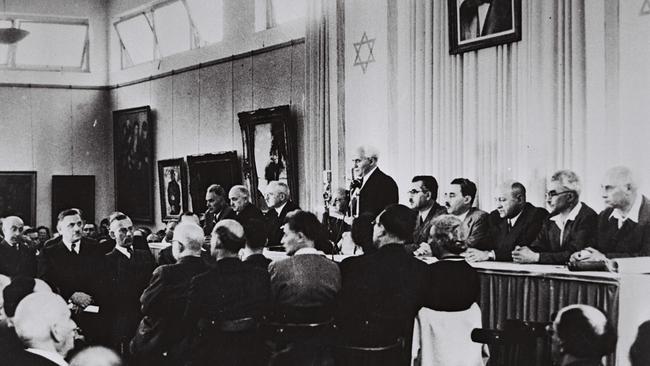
[(475, 255), (524, 255), (81, 299)]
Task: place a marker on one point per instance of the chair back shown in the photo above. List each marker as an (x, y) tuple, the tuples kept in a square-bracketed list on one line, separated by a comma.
[(518, 343)]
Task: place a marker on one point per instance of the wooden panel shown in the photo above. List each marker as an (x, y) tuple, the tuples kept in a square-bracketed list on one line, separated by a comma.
[(272, 78), (185, 110), (242, 98), (216, 127), (16, 151)]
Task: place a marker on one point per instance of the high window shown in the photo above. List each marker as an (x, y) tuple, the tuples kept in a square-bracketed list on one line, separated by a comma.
[(272, 13)]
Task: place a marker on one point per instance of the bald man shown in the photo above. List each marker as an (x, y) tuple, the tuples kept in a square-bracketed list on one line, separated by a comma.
[(277, 199), (375, 189), (581, 336), (624, 226), (16, 258), (43, 323)]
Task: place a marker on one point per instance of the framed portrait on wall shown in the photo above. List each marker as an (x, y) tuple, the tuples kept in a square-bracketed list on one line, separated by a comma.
[(475, 24), (18, 196), (172, 181), (133, 162), (219, 168), (270, 150)]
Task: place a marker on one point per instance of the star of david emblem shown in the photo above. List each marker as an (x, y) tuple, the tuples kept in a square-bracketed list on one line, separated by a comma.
[(364, 53)]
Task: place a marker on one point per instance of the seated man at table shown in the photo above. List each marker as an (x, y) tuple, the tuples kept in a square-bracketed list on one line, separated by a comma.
[(459, 199), (423, 200), (581, 336), (517, 224), (624, 226), (307, 280), (570, 227)]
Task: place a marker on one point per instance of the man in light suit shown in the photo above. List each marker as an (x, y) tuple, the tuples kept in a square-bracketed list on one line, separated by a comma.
[(375, 190), (459, 200), (484, 17), (624, 226), (515, 222), (277, 199)]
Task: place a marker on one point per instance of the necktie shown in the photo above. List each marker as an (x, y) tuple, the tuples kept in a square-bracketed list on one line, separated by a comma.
[(73, 248), (130, 250), (509, 225)]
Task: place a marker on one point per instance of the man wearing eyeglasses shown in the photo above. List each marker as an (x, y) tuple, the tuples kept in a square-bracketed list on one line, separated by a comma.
[(422, 199), (517, 224), (570, 228), (375, 189)]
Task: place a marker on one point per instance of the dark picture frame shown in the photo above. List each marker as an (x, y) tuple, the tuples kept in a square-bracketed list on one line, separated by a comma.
[(18, 195), (172, 181), (133, 142), (270, 150), (73, 191), (221, 168), (474, 24)]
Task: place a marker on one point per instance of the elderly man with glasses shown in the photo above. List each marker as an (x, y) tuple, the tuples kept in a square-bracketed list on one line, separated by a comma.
[(570, 227)]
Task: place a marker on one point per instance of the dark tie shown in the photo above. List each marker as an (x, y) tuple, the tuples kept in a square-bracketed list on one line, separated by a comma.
[(72, 248), (421, 221), (130, 250), (509, 225)]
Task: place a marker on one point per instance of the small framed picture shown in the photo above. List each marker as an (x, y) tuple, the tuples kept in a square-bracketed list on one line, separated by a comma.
[(475, 24), (172, 179)]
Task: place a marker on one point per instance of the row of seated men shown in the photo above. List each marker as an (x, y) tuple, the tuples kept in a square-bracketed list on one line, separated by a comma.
[(198, 313)]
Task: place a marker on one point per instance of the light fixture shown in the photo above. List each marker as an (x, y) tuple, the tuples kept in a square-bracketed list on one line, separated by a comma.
[(12, 34)]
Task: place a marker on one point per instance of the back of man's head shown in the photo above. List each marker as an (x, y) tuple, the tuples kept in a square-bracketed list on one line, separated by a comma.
[(228, 235), (190, 217), (255, 231), (640, 350), (190, 235), (584, 332), (399, 221), (96, 356), (306, 223), (37, 316), (18, 289)]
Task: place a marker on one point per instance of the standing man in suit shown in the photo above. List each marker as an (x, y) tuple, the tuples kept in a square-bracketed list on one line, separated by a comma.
[(571, 226), (277, 199), (624, 226), (517, 224), (459, 200), (16, 258), (128, 272), (376, 190), (240, 203), (73, 267), (218, 208), (166, 296)]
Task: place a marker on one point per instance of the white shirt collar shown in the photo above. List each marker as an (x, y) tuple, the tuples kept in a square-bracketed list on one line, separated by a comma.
[(571, 217), (308, 251), (77, 247), (632, 215), (425, 213), (514, 219), (365, 177), (123, 250), (52, 356), (279, 209)]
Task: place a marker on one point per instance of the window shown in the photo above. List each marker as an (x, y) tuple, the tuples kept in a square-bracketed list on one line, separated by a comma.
[(169, 27), (271, 13), (52, 44)]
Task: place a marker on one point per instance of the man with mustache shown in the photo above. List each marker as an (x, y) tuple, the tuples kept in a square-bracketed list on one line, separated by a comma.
[(459, 200)]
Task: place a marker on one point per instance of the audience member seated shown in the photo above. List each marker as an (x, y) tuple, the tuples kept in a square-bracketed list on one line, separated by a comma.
[(70, 266), (10, 345), (375, 285), (43, 324), (517, 224), (165, 255), (277, 199), (218, 208), (225, 303), (31, 238), (423, 196), (640, 350), (570, 228), (89, 230), (335, 220), (128, 272), (96, 356), (161, 329), (581, 336), (43, 235), (306, 280), (240, 203), (16, 258), (255, 233), (359, 239), (624, 226), (376, 189), (103, 236)]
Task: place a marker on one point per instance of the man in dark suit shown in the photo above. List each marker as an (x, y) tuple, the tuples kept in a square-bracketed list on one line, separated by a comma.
[(277, 199), (218, 208), (241, 204), (229, 295), (570, 228), (375, 190), (166, 297), (484, 17), (422, 199), (624, 226), (128, 272), (382, 292), (16, 258), (42, 321), (255, 233), (73, 266), (517, 224)]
